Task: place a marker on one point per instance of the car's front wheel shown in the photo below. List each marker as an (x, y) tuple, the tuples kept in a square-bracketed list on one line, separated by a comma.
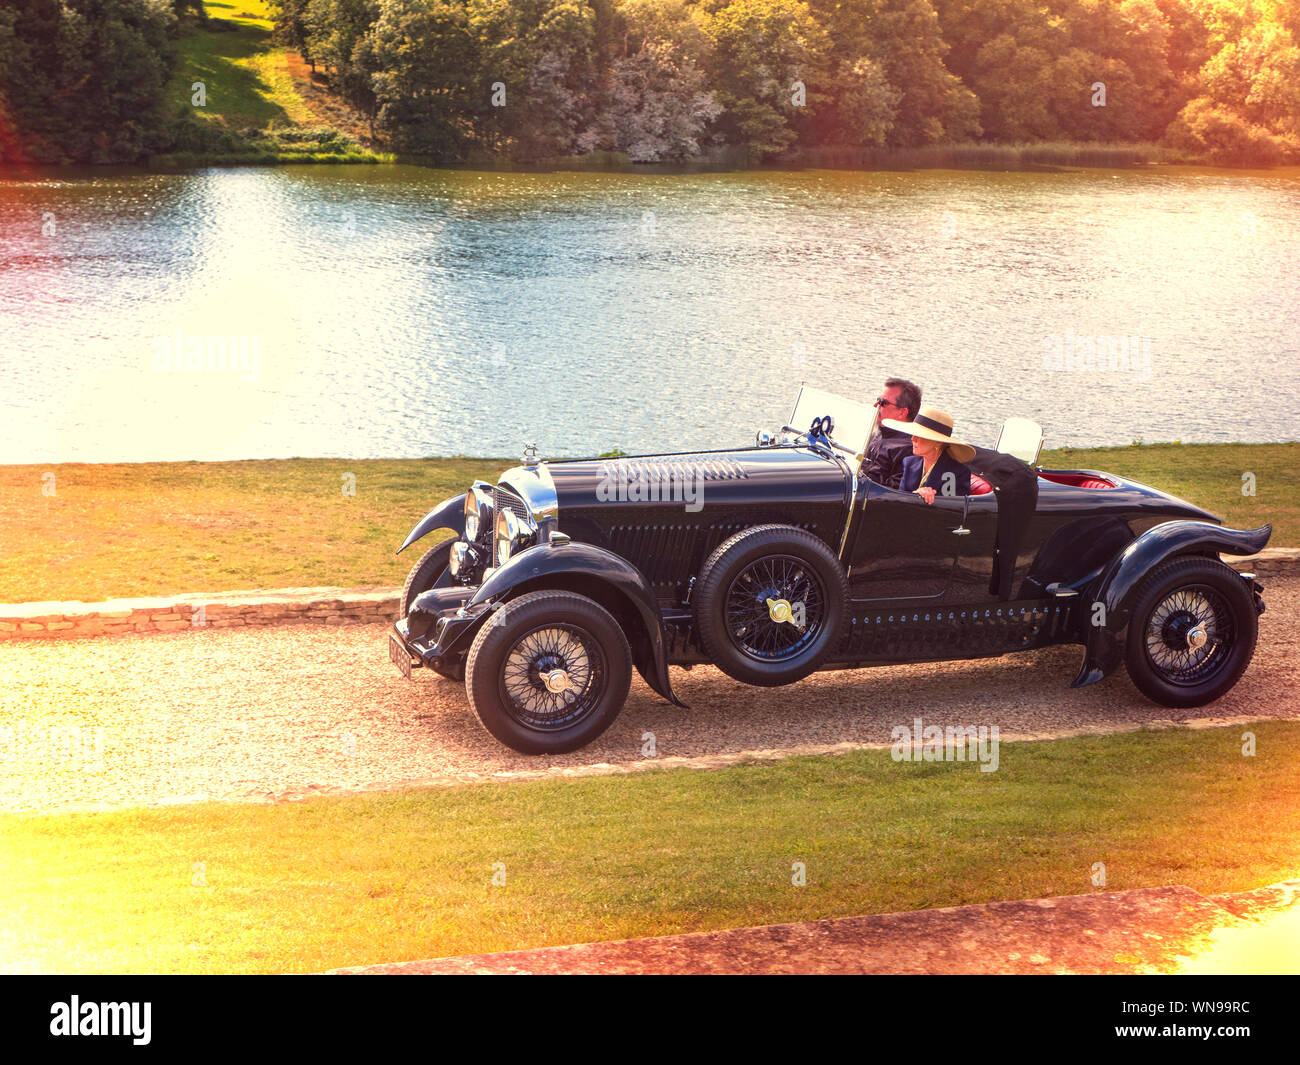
[(548, 672), (431, 571), (1192, 632)]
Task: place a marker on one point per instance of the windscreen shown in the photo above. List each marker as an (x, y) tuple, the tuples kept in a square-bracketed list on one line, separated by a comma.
[(853, 421)]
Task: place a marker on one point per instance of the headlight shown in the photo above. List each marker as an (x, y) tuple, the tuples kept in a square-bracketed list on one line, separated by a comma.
[(508, 535), (471, 516), (478, 513), (458, 557)]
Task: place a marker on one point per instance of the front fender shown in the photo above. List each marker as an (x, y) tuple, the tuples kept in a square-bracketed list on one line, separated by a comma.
[(1114, 590), (552, 564), (449, 514)]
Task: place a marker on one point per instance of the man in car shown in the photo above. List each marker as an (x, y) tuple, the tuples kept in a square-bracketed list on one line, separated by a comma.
[(887, 448)]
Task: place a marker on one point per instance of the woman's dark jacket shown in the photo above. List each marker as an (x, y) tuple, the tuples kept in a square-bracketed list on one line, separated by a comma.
[(913, 464)]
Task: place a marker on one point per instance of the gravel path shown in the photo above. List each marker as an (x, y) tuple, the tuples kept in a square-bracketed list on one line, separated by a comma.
[(277, 714)]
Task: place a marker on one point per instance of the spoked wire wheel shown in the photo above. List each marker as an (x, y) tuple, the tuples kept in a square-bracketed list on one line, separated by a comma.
[(553, 677), (775, 608), (770, 604), (548, 672), (1192, 631), (1189, 635)]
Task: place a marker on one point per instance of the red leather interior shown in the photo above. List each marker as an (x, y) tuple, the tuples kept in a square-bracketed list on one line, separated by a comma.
[(1076, 480), (979, 486)]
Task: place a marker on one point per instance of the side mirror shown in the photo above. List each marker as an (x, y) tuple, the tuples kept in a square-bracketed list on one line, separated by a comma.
[(1022, 438)]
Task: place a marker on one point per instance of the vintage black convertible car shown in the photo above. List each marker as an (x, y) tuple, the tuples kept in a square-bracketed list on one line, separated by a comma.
[(776, 560)]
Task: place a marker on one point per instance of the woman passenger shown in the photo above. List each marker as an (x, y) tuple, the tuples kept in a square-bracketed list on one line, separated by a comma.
[(937, 465)]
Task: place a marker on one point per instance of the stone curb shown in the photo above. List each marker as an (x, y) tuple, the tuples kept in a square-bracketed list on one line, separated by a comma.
[(296, 606), (1271, 562), (195, 611)]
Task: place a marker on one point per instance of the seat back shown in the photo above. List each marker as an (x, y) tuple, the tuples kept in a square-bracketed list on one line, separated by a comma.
[(1023, 438)]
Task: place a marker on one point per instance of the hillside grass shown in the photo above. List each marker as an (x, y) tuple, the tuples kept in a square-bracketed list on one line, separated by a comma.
[(254, 112), (159, 528), (399, 876)]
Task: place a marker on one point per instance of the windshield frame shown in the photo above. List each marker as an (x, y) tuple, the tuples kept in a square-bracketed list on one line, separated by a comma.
[(860, 420)]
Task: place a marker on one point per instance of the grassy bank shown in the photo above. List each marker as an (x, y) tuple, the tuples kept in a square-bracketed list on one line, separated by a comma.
[(346, 881), (154, 528), (1045, 155), (255, 110)]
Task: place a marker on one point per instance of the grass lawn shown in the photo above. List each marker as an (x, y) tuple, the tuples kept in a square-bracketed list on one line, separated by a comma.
[(1209, 475), (159, 528), (250, 93), (229, 58), (399, 876), (140, 529)]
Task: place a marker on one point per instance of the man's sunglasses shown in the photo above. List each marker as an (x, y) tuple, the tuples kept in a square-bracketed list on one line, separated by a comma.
[(881, 401)]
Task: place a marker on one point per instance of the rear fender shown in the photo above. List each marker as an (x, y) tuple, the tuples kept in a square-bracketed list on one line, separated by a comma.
[(1108, 608)]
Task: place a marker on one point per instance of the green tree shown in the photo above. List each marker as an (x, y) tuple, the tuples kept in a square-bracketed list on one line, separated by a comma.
[(334, 31), (292, 26), (1223, 137), (84, 80), (1247, 109), (543, 56), (1127, 47), (763, 50), (657, 104), (906, 40), (425, 65)]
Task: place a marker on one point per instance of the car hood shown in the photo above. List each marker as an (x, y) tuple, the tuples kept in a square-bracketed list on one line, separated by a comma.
[(697, 479)]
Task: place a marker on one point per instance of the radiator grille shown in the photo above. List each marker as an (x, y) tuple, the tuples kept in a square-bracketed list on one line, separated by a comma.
[(503, 498)]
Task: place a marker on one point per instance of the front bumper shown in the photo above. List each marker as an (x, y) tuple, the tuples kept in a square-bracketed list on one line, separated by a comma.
[(438, 629)]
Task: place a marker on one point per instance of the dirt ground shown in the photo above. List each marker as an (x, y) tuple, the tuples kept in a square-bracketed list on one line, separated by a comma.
[(276, 714)]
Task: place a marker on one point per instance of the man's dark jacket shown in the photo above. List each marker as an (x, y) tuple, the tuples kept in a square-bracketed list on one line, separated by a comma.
[(885, 453)]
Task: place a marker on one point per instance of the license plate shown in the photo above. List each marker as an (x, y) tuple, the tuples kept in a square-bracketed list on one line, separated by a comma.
[(398, 654)]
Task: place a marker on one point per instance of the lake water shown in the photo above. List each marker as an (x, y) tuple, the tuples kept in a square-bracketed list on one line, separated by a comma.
[(396, 311)]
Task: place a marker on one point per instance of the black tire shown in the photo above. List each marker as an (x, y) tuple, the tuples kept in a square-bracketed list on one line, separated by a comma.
[(734, 622), (431, 571), (528, 636), (1177, 597)]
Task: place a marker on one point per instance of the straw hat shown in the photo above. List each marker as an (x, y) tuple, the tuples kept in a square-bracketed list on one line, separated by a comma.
[(933, 424)]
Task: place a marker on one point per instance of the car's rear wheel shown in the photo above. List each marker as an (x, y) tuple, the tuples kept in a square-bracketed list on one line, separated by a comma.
[(548, 672), (431, 571), (1192, 632), (770, 604)]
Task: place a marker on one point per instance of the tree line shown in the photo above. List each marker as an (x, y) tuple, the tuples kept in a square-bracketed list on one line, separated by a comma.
[(664, 79), (670, 80)]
